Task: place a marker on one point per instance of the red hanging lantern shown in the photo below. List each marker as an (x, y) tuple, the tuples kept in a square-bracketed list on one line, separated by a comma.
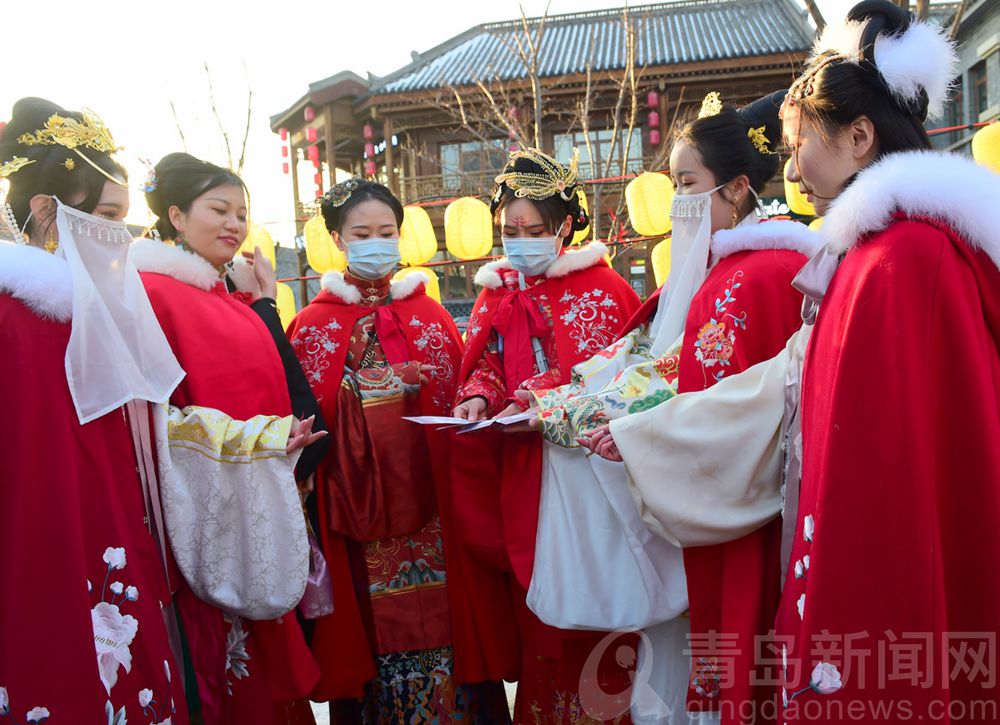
[(284, 168), (313, 153), (370, 150), (284, 152), (318, 178), (317, 164), (310, 114), (368, 132), (311, 135), (370, 168), (654, 137), (654, 119), (283, 132), (319, 193), (652, 99)]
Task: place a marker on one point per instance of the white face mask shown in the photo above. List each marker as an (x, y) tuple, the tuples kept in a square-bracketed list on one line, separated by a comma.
[(531, 256), (372, 258)]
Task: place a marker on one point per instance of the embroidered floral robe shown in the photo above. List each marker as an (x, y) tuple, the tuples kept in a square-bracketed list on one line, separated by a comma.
[(362, 345)]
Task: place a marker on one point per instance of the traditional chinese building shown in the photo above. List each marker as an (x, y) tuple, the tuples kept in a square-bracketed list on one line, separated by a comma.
[(610, 83)]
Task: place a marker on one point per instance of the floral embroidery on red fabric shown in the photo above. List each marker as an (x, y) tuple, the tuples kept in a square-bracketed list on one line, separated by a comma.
[(716, 340)]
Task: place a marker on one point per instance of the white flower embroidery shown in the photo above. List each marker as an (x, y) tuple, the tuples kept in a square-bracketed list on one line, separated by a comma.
[(784, 659), (115, 558), (800, 570), (808, 528), (825, 679), (114, 718), (236, 650), (435, 345), (166, 669), (805, 562), (113, 633), (784, 697), (802, 606), (90, 587), (117, 587), (592, 320), (313, 345), (145, 697), (132, 594), (37, 714), (4, 701)]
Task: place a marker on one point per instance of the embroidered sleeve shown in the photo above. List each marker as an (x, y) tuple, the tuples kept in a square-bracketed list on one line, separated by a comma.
[(487, 380)]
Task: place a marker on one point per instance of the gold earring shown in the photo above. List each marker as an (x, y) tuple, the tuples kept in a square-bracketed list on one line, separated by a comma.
[(51, 244), (735, 214)]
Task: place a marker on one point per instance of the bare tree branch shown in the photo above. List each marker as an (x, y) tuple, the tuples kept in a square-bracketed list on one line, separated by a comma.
[(956, 22), (177, 122), (246, 131), (218, 118)]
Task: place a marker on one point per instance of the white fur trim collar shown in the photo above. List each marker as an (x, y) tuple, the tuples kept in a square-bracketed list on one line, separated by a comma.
[(40, 280), (149, 255), (951, 188), (570, 261), (776, 234), (334, 283)]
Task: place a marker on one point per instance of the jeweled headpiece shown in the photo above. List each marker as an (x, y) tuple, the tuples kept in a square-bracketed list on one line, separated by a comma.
[(338, 194), (15, 164), (711, 105), (88, 132), (554, 178), (760, 141)]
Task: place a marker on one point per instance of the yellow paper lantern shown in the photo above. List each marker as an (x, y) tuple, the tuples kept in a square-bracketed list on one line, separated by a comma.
[(581, 236), (433, 287), (258, 236), (321, 252), (816, 224), (286, 304), (468, 228), (417, 241), (795, 199), (661, 262), (648, 198), (986, 146)]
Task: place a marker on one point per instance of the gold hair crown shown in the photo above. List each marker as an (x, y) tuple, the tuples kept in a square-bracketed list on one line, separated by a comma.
[(89, 132), (340, 193), (15, 164), (553, 180), (760, 141), (711, 105)]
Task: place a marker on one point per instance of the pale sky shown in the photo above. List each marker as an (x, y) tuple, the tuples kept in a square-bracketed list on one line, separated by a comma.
[(127, 59)]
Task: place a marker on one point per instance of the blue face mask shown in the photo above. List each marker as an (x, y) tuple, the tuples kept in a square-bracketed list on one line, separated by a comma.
[(372, 258), (531, 256)]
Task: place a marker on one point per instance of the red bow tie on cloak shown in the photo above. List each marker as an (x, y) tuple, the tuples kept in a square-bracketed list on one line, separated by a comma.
[(517, 320), (389, 330)]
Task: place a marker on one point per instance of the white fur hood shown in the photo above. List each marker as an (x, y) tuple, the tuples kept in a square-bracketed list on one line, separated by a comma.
[(149, 255), (776, 234), (951, 188), (40, 280), (567, 263), (334, 283)]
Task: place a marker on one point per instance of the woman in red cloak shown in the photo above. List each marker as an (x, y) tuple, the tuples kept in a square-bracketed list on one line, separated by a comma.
[(376, 350), (233, 411), (85, 597), (891, 606), (543, 309)]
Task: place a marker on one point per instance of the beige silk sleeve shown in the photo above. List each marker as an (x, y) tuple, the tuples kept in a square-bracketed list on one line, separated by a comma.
[(705, 467)]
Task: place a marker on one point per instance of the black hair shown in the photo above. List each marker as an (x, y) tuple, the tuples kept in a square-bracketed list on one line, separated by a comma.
[(725, 146), (843, 90), (50, 174), (553, 209), (180, 179), (360, 190)]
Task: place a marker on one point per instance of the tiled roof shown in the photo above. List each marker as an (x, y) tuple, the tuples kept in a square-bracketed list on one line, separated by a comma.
[(688, 31)]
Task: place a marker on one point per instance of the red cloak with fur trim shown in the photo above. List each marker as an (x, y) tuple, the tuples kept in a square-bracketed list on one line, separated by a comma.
[(891, 607), (320, 335), (68, 494), (233, 366), (496, 479)]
